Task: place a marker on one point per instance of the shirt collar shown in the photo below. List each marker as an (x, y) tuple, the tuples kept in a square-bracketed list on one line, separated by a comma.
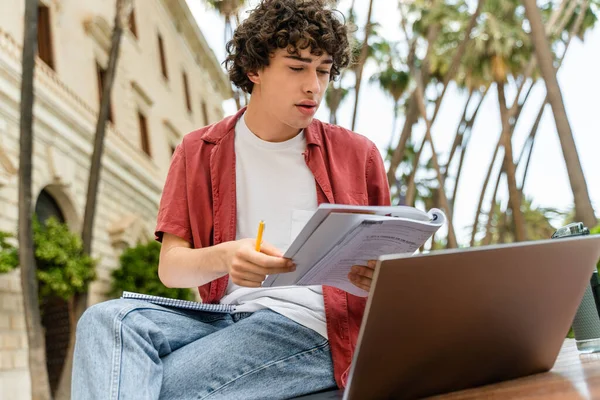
[(216, 132)]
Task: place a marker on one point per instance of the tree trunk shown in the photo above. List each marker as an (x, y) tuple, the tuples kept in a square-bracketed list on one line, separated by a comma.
[(412, 116), (40, 386), (583, 206), (452, 242), (394, 123), (509, 167), (412, 113), (533, 132), (361, 62), (457, 58), (458, 135), (466, 137), (486, 182), (411, 189), (335, 95), (123, 8), (529, 142), (420, 103), (552, 27), (487, 239)]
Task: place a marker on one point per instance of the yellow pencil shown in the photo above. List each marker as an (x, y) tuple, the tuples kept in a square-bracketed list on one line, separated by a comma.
[(261, 228)]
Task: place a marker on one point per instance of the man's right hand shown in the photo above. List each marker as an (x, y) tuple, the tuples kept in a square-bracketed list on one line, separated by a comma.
[(249, 268)]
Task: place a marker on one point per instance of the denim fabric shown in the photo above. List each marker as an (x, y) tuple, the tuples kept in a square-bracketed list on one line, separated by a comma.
[(131, 349)]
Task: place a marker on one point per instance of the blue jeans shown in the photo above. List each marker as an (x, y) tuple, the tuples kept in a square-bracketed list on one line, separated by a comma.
[(131, 349)]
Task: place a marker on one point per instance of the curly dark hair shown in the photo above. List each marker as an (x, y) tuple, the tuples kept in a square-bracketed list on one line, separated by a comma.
[(286, 24)]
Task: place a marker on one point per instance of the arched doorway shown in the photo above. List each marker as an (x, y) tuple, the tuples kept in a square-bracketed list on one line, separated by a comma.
[(54, 311)]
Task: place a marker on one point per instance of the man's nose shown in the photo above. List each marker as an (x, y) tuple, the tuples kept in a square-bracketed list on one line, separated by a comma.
[(312, 84)]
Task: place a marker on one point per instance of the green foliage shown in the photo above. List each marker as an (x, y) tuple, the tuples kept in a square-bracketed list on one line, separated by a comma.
[(62, 268), (138, 272), (9, 257), (537, 223)]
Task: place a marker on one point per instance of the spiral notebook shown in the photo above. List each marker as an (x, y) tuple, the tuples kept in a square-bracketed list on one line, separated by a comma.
[(186, 304)]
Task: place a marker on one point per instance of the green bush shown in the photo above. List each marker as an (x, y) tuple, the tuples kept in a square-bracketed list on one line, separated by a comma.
[(138, 272), (9, 257), (62, 268)]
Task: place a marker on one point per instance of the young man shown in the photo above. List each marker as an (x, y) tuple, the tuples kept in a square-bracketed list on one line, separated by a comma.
[(271, 161)]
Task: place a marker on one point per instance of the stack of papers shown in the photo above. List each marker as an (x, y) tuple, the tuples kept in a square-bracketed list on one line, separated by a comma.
[(339, 236)]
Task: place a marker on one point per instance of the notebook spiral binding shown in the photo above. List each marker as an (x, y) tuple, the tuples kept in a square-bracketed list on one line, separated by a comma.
[(186, 304)]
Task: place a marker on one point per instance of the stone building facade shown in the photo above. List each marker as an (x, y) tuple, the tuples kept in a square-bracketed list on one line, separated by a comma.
[(168, 83)]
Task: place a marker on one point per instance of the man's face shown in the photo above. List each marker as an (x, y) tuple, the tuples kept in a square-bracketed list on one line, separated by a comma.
[(292, 86)]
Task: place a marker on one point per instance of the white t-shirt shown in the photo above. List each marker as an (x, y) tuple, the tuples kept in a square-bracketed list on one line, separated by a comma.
[(274, 184)]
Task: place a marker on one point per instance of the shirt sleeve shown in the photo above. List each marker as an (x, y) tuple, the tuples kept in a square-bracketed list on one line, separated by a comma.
[(173, 212), (377, 183)]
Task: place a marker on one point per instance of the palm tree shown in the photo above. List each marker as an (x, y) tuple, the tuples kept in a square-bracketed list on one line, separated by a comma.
[(558, 19), (461, 142), (334, 96), (537, 222), (444, 20), (582, 20), (509, 167), (229, 10), (399, 185), (583, 204), (393, 82), (364, 50), (40, 386), (499, 52), (448, 29), (122, 11)]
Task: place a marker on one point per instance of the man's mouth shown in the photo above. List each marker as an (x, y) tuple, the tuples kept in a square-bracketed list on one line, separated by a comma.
[(307, 107), (307, 103)]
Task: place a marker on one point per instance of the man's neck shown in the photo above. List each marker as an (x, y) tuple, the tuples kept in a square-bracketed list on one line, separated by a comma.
[(265, 125)]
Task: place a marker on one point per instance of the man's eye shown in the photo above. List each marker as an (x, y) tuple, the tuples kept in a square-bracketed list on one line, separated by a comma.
[(323, 72), (295, 69)]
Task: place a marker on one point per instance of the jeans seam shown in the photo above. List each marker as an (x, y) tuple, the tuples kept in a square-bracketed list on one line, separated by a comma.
[(117, 351), (118, 348), (267, 365)]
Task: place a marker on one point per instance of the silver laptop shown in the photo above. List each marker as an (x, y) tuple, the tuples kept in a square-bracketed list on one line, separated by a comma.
[(456, 319)]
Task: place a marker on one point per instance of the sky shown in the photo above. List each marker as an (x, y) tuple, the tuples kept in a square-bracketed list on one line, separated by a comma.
[(547, 181)]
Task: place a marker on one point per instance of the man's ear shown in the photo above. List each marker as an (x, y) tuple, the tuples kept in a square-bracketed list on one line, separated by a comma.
[(254, 77)]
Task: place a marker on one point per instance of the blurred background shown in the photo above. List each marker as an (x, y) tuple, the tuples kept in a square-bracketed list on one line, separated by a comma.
[(485, 109)]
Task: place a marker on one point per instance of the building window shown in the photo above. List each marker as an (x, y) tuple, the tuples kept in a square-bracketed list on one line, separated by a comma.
[(145, 139), (173, 148), (186, 90), (163, 59), (45, 51), (101, 76), (204, 112), (132, 25)]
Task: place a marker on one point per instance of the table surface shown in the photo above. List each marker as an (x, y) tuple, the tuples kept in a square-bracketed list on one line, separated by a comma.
[(574, 376)]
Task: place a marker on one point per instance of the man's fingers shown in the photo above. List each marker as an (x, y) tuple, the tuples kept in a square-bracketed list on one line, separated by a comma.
[(359, 281), (246, 283), (268, 249), (246, 274), (273, 264), (261, 264), (363, 271)]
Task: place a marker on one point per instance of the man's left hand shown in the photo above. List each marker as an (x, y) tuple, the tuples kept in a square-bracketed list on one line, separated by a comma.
[(361, 276)]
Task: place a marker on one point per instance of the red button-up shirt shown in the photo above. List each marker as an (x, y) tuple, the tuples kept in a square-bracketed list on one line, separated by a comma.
[(198, 204)]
